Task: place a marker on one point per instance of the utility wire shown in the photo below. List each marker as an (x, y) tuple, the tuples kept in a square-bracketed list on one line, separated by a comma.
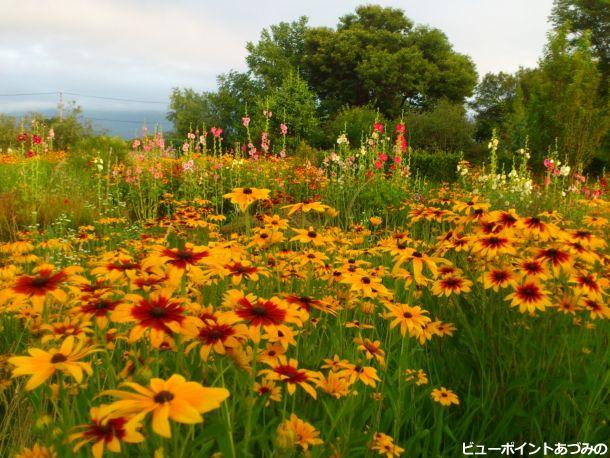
[(124, 120), (27, 94), (118, 99), (114, 98)]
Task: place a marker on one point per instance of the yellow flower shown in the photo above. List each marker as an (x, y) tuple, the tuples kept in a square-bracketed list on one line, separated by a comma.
[(243, 197), (159, 316), (309, 236), (375, 220), (37, 451), (174, 398), (106, 430), (529, 297), (296, 431), (444, 396), (306, 207), (411, 319), (384, 445), (42, 364)]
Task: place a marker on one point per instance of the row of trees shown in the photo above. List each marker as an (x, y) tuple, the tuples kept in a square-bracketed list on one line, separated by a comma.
[(376, 63), (315, 79), (564, 102)]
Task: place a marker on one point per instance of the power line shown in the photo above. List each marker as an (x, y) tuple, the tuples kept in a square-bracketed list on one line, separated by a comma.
[(28, 94), (115, 98), (124, 120), (91, 96)]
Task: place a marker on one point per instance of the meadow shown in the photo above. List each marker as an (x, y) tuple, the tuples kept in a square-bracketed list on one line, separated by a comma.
[(241, 300)]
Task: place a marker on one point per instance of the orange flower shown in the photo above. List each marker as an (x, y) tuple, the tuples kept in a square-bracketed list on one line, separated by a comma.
[(43, 364), (159, 316), (174, 399), (529, 297), (243, 197), (106, 431), (287, 371), (444, 397)]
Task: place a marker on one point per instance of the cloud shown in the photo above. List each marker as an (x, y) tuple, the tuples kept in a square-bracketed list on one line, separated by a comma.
[(143, 48)]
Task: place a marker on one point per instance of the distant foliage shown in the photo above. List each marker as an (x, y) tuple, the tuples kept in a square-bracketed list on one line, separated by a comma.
[(437, 167), (294, 106), (356, 122), (561, 106), (445, 127)]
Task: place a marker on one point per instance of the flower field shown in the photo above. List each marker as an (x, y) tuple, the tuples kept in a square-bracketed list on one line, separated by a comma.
[(206, 301)]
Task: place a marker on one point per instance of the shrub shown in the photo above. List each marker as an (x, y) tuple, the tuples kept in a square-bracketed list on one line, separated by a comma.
[(436, 167), (444, 128), (355, 121)]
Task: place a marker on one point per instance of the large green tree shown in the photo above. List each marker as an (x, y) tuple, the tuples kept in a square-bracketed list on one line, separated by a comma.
[(560, 105), (493, 103), (590, 17), (294, 105), (223, 108), (377, 56), (188, 109), (278, 52)]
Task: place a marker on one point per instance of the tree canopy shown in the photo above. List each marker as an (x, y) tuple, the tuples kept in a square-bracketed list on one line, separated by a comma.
[(377, 56)]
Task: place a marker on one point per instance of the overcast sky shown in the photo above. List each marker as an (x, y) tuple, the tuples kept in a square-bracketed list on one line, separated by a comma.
[(140, 49)]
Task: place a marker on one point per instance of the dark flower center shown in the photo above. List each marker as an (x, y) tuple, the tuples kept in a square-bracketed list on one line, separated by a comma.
[(163, 396), (158, 312), (39, 281), (58, 358), (247, 191)]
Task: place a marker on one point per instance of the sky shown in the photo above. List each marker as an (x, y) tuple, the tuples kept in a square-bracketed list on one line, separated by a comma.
[(141, 49)]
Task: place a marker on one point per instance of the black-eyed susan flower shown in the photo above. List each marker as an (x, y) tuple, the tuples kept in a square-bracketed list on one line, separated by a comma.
[(106, 431), (529, 296), (37, 451), (286, 371), (411, 319), (158, 316), (306, 207), (309, 236), (45, 282), (41, 364), (589, 285), (536, 228), (335, 384), (172, 399), (244, 197), (499, 277), (299, 432), (384, 445), (451, 284), (262, 313), (268, 390), (560, 260), (371, 349), (365, 374), (217, 335), (493, 245), (444, 396)]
